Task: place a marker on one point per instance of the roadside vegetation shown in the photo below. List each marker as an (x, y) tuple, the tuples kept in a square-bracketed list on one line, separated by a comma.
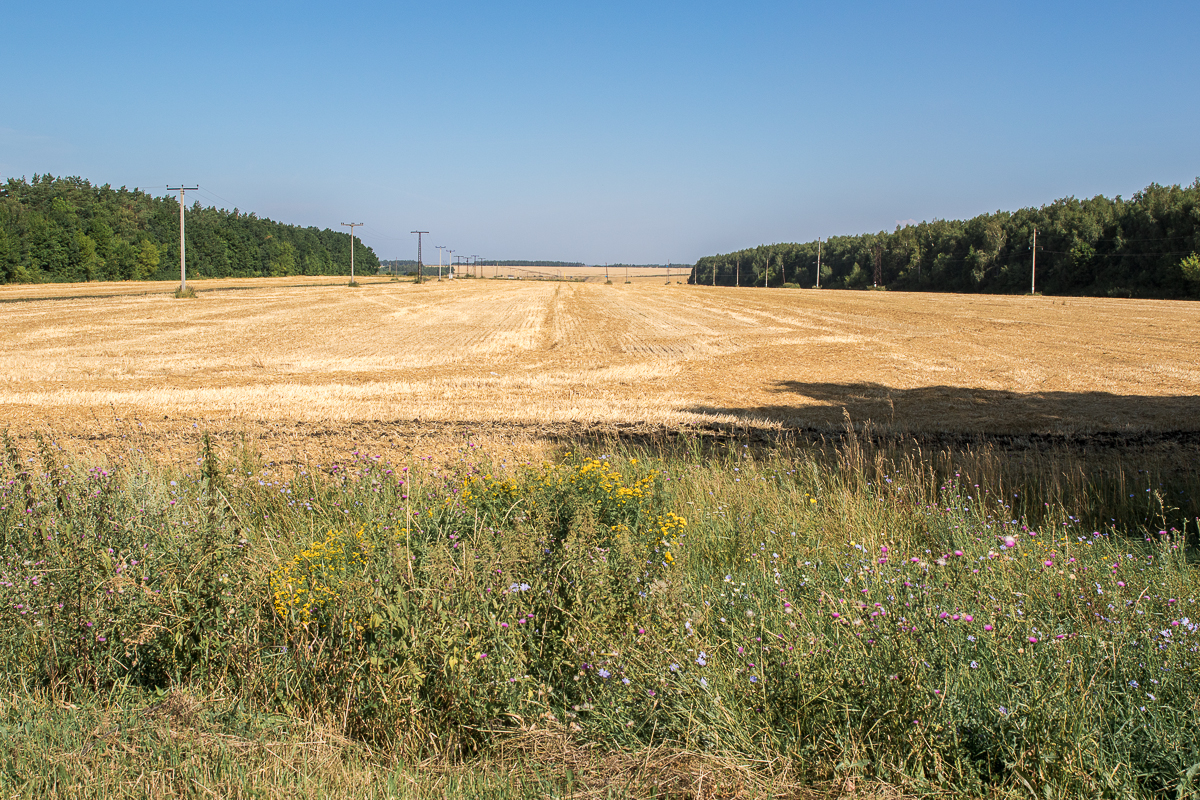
[(693, 619)]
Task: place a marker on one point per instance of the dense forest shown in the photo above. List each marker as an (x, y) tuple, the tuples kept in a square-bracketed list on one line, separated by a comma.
[(1145, 246), (65, 229)]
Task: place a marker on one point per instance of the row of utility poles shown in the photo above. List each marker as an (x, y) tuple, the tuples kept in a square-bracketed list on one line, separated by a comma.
[(183, 239), (439, 248), (737, 281), (474, 264), (877, 254)]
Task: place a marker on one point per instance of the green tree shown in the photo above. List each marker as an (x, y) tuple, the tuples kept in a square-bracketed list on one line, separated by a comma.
[(1191, 270), (89, 262), (146, 264), (281, 258)]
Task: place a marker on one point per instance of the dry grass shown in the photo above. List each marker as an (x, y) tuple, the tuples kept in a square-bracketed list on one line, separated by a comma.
[(262, 355), (181, 746)]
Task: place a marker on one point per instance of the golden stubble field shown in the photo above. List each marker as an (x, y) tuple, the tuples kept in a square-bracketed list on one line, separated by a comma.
[(308, 364)]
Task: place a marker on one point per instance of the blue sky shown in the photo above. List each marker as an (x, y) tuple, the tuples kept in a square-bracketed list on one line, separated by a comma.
[(610, 131)]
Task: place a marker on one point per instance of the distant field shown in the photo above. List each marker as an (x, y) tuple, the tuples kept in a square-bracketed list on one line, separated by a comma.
[(85, 360)]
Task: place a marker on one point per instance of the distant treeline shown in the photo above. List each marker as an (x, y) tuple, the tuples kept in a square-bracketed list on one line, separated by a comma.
[(399, 265), (65, 229), (1145, 246)]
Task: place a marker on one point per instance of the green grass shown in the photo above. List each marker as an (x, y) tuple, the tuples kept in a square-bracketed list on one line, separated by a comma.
[(824, 616)]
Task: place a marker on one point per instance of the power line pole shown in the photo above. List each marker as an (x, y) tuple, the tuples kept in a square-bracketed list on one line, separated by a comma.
[(440, 248), (737, 283), (878, 264), (419, 252), (352, 226), (818, 262), (182, 242), (419, 233), (1033, 275)]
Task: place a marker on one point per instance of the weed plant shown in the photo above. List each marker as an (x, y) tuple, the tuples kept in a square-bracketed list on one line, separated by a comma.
[(855, 615)]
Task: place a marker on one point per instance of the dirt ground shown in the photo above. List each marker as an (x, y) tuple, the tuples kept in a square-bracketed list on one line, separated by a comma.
[(312, 369)]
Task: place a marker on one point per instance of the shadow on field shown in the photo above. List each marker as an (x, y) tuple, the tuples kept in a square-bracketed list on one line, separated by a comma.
[(957, 411)]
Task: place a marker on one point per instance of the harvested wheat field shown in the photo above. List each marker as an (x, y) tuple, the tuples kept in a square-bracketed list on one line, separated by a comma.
[(390, 361)]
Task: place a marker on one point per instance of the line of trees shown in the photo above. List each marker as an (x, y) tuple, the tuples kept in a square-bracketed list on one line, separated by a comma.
[(1145, 246), (64, 229)]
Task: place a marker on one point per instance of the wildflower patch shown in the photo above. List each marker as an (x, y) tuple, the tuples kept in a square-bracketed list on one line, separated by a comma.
[(314, 580)]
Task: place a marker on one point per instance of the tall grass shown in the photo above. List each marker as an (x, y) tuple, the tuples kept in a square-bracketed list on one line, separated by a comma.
[(948, 622)]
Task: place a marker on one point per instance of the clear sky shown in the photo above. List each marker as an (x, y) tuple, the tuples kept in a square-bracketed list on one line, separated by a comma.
[(605, 131)]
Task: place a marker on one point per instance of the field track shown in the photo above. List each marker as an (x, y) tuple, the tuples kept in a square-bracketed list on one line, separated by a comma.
[(87, 363)]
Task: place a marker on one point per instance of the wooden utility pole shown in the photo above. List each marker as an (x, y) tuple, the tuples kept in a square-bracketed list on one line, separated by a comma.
[(818, 262), (419, 234), (182, 242), (1033, 275), (352, 226)]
